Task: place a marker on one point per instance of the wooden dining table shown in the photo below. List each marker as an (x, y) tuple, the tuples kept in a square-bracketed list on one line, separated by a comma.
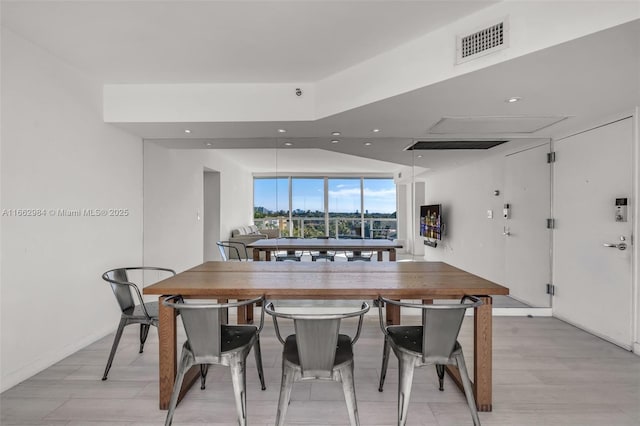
[(324, 244), (424, 281)]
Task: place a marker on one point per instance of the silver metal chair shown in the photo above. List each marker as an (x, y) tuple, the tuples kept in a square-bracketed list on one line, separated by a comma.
[(289, 254), (211, 341), (226, 248), (317, 351), (359, 255), (134, 309), (323, 254), (434, 342)]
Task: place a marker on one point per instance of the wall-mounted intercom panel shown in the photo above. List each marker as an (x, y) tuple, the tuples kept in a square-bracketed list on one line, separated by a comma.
[(621, 210), (506, 211)]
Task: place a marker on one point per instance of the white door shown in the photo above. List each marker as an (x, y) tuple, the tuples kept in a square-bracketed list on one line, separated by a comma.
[(593, 284), (528, 241)]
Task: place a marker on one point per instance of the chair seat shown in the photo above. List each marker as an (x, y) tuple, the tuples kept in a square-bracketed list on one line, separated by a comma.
[(344, 350), (236, 336), (152, 310), (409, 338)]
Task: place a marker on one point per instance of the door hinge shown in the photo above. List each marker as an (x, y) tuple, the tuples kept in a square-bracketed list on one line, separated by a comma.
[(551, 289), (551, 223), (551, 157)]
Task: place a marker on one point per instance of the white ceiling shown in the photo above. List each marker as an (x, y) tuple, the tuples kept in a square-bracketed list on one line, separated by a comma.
[(265, 41)]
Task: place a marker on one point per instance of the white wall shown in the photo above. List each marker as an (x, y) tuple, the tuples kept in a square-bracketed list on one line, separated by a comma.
[(471, 241), (174, 205), (57, 153)]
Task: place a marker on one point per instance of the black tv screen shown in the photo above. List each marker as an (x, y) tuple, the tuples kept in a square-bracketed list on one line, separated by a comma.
[(431, 221)]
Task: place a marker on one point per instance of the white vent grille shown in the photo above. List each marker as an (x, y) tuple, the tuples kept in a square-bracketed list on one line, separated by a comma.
[(482, 42)]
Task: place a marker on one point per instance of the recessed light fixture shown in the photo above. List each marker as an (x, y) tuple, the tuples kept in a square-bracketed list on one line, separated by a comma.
[(282, 131), (187, 131), (513, 99), (335, 133), (375, 130), (419, 156), (288, 144), (209, 144), (335, 141), (367, 144)]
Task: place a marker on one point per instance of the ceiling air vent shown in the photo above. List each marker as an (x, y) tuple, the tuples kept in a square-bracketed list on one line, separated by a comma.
[(482, 42), (455, 144)]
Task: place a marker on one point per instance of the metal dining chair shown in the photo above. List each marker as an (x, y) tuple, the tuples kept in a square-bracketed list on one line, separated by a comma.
[(317, 350), (134, 309), (323, 254), (432, 343), (289, 254), (238, 248), (211, 341)]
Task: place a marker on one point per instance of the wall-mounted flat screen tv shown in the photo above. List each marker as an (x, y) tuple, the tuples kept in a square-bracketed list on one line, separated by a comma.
[(431, 221)]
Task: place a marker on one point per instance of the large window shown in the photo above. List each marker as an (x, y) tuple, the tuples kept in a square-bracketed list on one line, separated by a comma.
[(339, 207)]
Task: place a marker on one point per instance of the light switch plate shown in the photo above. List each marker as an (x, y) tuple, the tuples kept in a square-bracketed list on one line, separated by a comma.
[(489, 214)]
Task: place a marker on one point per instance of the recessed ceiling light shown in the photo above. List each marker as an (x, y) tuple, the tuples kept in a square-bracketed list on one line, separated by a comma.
[(282, 131), (187, 131), (367, 144), (288, 144), (335, 141), (513, 99), (335, 133), (375, 130), (209, 144), (419, 156)]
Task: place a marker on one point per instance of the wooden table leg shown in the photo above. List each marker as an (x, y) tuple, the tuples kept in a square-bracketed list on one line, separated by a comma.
[(393, 314), (380, 255), (256, 255), (482, 353), (392, 255), (167, 348), (168, 365), (482, 356), (245, 314)]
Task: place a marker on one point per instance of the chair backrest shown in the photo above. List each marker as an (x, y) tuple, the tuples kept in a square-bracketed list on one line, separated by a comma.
[(121, 287), (316, 338), (440, 326), (124, 290), (238, 248), (203, 323)]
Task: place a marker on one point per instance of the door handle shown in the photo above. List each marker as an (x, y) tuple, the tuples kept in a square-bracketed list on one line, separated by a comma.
[(621, 246)]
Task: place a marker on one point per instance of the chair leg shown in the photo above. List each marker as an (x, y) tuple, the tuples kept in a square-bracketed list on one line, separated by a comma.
[(440, 371), (406, 365), (468, 388), (144, 332), (204, 369), (186, 361), (114, 347), (257, 352), (385, 362), (239, 380), (288, 377), (349, 388)]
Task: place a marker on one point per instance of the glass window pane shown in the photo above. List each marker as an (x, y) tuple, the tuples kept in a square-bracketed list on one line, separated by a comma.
[(344, 208), (308, 207), (380, 208), (271, 202)]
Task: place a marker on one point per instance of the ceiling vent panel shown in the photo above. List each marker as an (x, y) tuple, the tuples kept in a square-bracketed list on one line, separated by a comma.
[(482, 42), (511, 124), (432, 145)]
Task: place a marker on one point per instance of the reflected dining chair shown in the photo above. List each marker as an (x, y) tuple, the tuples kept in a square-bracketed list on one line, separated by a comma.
[(227, 248), (432, 343), (317, 350), (134, 309), (323, 254), (211, 341), (289, 254)]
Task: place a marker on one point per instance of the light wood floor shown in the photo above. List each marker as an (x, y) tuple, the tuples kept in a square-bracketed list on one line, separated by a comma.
[(546, 372)]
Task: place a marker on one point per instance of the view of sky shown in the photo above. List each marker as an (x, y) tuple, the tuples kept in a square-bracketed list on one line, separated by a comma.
[(308, 194)]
